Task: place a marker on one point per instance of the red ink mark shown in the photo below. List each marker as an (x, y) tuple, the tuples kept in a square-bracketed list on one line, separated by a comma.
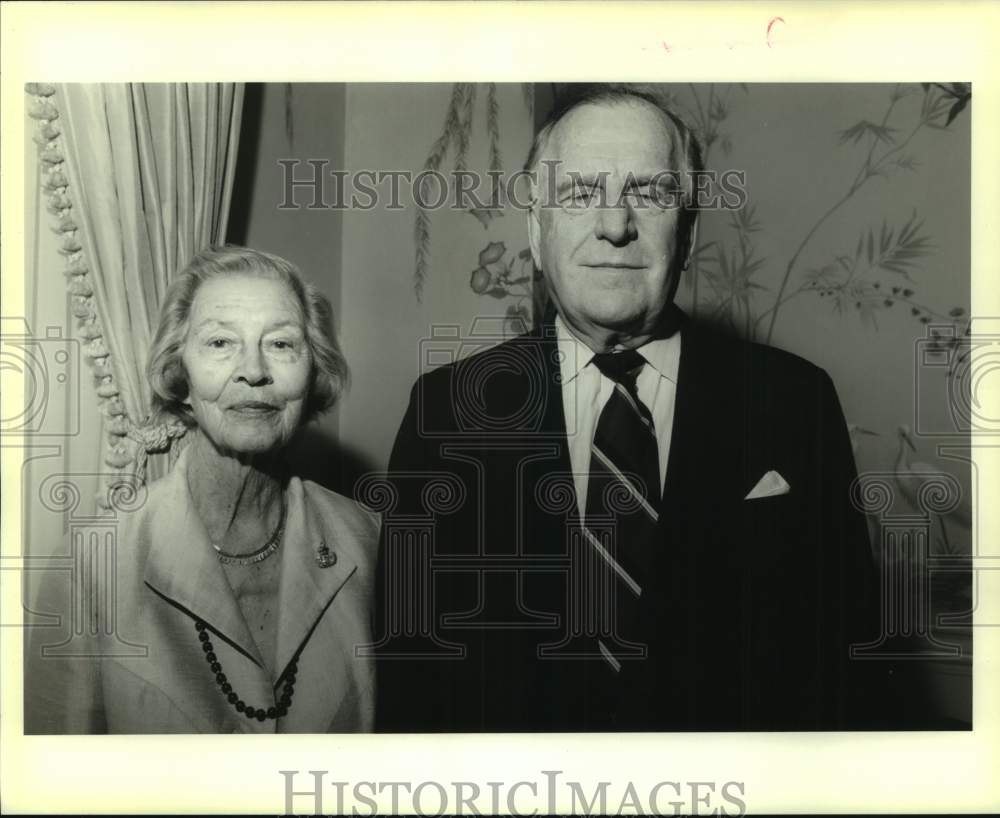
[(666, 47), (769, 25)]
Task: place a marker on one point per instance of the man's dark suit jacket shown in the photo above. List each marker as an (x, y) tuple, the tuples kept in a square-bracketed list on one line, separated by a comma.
[(748, 607)]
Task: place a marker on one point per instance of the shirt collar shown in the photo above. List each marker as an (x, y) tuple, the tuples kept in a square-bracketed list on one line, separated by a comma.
[(574, 355), (663, 354)]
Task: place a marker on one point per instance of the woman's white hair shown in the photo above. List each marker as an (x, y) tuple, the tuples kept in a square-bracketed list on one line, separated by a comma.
[(165, 370)]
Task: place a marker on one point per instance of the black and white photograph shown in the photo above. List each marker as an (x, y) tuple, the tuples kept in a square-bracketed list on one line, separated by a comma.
[(464, 410)]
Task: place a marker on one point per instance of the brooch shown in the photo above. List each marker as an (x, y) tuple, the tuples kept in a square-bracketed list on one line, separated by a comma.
[(324, 556)]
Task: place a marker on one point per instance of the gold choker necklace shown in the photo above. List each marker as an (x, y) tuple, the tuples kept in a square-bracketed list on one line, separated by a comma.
[(262, 553)]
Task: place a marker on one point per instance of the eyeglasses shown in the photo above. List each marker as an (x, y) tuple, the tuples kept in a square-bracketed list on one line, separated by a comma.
[(652, 200)]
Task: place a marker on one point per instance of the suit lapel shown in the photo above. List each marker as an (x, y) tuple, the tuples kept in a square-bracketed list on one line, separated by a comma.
[(553, 418), (550, 432), (183, 569), (306, 590), (706, 448)]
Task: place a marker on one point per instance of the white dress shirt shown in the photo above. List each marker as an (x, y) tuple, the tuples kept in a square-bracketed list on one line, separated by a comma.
[(585, 391)]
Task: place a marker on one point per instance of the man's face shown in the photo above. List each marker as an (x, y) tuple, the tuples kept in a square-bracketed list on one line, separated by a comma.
[(611, 269)]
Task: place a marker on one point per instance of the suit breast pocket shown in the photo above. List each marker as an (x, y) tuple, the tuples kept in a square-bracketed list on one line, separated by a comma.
[(776, 528), (774, 500), (765, 517)]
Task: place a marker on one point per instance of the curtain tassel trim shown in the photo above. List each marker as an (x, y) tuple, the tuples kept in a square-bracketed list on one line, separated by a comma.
[(128, 444)]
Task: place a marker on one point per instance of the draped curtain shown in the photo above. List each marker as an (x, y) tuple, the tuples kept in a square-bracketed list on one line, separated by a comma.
[(139, 178)]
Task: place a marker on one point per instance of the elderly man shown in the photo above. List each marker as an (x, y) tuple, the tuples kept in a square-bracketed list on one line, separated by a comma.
[(621, 521)]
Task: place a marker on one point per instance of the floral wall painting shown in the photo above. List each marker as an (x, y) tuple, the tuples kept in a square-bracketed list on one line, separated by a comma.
[(507, 276), (513, 278)]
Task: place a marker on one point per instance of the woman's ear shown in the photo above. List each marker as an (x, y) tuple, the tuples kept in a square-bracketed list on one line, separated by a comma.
[(176, 377)]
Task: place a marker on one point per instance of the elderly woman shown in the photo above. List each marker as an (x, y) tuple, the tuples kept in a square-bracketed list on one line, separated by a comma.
[(242, 590)]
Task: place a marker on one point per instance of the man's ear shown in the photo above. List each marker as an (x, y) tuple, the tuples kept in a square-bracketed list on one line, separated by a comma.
[(692, 241), (535, 235)]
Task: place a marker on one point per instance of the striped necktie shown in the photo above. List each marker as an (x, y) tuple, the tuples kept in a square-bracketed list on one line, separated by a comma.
[(623, 491)]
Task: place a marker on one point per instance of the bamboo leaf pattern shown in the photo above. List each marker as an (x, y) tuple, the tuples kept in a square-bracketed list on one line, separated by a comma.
[(849, 282), (860, 130), (896, 254), (289, 114), (852, 281), (422, 240), (731, 275), (465, 129), (706, 118), (528, 94), (421, 229), (944, 102), (493, 128), (956, 109)]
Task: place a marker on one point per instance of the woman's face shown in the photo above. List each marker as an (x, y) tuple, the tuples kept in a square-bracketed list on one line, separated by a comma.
[(247, 361)]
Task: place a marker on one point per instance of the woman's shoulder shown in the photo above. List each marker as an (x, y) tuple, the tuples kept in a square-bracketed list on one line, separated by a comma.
[(165, 496), (339, 511)]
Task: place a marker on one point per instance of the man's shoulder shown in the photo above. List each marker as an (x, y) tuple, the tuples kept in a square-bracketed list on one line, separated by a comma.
[(767, 396), (524, 361), (501, 389), (750, 360), (529, 346)]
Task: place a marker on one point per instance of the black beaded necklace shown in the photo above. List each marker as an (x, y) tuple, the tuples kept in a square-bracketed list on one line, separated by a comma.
[(259, 713)]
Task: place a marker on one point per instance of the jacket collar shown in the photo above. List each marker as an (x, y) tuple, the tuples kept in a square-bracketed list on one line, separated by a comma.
[(183, 568), (707, 429), (702, 402), (661, 353), (306, 589)]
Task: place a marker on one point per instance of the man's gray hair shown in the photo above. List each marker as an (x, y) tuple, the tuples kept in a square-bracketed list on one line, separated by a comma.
[(685, 151)]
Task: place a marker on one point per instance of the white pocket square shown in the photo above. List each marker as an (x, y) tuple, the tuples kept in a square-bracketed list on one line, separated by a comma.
[(770, 485)]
